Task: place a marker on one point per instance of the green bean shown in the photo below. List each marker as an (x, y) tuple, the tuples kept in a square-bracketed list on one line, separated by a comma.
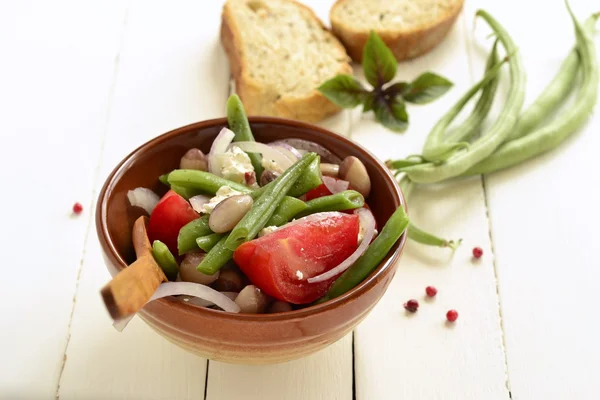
[(407, 162), (420, 236), (346, 200), (238, 123), (308, 181), (472, 124), (550, 136), (375, 253), (216, 257), (203, 181), (489, 142), (554, 94), (164, 179), (267, 203), (165, 259), (289, 207), (186, 240), (209, 241), (435, 139)]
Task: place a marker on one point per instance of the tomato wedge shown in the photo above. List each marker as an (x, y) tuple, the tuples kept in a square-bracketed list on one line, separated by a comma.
[(320, 191), (170, 214), (281, 262)]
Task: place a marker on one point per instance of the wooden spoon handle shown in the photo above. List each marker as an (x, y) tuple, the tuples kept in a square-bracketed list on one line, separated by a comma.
[(127, 292)]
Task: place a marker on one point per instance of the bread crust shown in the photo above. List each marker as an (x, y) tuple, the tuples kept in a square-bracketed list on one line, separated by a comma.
[(260, 100), (404, 45)]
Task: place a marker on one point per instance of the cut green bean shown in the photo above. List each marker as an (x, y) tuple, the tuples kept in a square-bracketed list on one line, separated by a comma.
[(205, 243), (550, 136), (164, 178), (203, 181), (267, 203), (471, 126), (238, 123), (346, 200), (218, 256), (420, 236), (489, 142), (186, 240), (165, 260), (288, 209), (554, 94), (372, 257), (308, 181)]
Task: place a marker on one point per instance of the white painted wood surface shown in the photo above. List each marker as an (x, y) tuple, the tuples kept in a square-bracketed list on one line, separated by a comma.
[(90, 80)]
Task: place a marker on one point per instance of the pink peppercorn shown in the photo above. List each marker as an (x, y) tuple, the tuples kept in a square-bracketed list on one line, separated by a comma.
[(477, 252), (412, 305), (77, 208), (431, 291), (452, 315)]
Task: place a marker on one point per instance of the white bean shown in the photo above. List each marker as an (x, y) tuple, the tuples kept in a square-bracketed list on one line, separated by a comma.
[(355, 172), (229, 212), (189, 273)]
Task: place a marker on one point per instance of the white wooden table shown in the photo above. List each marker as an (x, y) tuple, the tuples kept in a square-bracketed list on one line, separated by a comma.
[(83, 82)]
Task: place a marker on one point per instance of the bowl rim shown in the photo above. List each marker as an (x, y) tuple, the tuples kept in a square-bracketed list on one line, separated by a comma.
[(366, 285)]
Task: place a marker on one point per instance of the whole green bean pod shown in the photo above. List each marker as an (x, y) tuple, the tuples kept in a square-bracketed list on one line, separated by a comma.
[(550, 136), (165, 260), (186, 240), (489, 142), (435, 142), (264, 207), (346, 200), (375, 253), (289, 207), (554, 94), (472, 124), (218, 256), (238, 123), (205, 243)]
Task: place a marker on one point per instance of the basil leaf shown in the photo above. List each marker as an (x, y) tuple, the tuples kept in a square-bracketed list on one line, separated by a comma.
[(344, 90), (427, 88), (379, 63), (391, 113), (369, 100), (398, 88)]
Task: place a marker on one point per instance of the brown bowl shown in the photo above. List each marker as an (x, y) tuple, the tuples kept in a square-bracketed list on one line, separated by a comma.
[(243, 338)]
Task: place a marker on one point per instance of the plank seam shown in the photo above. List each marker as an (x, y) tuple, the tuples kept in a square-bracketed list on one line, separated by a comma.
[(206, 379), (111, 95)]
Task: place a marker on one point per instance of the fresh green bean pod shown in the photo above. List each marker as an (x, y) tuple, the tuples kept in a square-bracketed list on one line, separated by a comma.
[(202, 181), (267, 203), (186, 240), (308, 181), (375, 253), (205, 243), (472, 124), (554, 94), (218, 256), (238, 123), (550, 136), (346, 200), (165, 260), (420, 236), (489, 142), (289, 207)]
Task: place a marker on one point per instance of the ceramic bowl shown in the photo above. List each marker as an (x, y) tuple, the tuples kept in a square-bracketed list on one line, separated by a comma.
[(243, 338)]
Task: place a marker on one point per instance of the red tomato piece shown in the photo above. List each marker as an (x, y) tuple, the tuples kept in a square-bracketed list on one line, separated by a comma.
[(281, 262), (317, 192), (170, 214)]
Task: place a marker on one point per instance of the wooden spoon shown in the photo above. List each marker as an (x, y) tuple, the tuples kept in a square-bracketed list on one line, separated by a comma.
[(131, 289)]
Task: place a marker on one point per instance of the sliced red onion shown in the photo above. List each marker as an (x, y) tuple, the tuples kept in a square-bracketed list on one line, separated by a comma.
[(197, 301), (144, 198), (267, 152), (368, 223), (335, 185), (198, 201), (203, 292), (219, 147), (301, 144), (292, 150)]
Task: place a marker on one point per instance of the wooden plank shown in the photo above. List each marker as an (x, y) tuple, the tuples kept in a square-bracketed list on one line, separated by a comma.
[(419, 356), (171, 74), (542, 218), (56, 72), (324, 375)]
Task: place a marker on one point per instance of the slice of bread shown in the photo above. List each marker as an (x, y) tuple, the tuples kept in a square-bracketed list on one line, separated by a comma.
[(410, 28), (279, 53)]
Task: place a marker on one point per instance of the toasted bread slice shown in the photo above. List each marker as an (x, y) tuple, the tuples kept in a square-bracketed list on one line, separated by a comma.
[(280, 53), (410, 28)]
